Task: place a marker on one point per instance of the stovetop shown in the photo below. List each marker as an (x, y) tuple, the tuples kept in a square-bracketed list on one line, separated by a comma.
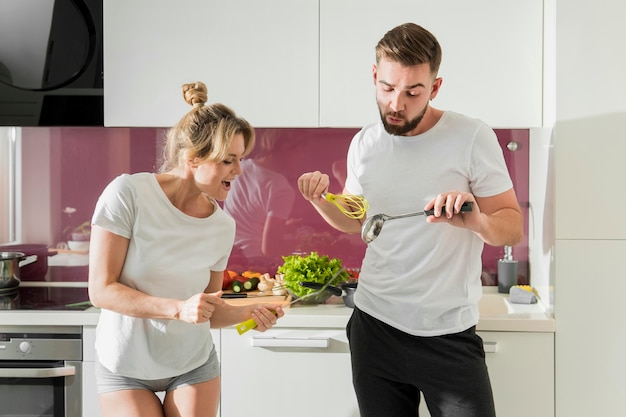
[(45, 298)]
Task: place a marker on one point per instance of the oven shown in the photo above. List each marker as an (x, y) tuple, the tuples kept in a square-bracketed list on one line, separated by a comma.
[(40, 371)]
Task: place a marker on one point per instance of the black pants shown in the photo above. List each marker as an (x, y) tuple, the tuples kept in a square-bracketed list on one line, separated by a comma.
[(390, 368)]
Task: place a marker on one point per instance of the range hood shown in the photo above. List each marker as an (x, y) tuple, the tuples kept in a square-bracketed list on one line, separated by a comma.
[(51, 63)]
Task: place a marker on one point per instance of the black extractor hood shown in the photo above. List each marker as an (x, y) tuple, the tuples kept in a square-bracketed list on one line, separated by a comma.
[(51, 63)]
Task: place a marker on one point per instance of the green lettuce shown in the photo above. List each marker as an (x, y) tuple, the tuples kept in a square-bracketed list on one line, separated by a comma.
[(310, 268)]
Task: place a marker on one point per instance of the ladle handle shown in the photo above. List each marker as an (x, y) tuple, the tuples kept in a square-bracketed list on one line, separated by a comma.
[(465, 208), (402, 216)]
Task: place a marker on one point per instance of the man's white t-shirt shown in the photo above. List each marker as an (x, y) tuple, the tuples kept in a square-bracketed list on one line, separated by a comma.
[(423, 278), (170, 255)]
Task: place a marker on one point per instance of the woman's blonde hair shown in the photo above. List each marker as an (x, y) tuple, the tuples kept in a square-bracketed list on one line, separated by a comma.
[(205, 132)]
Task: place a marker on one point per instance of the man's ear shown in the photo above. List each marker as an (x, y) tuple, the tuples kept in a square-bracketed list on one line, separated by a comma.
[(436, 87)]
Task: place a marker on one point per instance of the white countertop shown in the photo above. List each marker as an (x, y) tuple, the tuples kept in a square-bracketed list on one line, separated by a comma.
[(517, 317), (497, 314)]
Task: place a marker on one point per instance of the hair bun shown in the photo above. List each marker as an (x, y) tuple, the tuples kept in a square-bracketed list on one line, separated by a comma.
[(195, 94)]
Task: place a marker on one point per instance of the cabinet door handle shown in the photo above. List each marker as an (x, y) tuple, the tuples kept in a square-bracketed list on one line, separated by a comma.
[(37, 372), (290, 342), (490, 347)]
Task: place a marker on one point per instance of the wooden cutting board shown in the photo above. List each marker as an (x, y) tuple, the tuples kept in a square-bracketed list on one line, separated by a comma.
[(255, 297)]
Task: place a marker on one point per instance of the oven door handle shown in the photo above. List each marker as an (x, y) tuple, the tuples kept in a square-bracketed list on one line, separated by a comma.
[(37, 372)]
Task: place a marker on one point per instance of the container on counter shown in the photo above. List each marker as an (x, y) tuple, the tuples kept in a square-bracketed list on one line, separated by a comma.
[(507, 271)]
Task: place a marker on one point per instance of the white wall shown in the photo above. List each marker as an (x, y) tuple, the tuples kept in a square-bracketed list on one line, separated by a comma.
[(8, 186), (590, 227), (541, 213)]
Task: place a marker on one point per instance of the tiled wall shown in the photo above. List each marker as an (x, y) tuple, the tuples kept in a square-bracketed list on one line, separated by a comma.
[(69, 167)]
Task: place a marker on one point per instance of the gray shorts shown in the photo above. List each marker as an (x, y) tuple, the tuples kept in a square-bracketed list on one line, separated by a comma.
[(107, 381)]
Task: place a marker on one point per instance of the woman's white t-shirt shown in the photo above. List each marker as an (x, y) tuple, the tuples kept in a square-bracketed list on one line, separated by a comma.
[(171, 255)]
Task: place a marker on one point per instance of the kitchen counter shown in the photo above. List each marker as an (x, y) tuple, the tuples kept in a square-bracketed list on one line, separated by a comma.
[(497, 314), (87, 317)]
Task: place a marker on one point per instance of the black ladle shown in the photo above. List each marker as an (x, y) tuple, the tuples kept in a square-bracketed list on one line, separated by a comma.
[(373, 225)]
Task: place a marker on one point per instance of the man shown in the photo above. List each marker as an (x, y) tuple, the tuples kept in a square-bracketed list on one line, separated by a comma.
[(413, 328)]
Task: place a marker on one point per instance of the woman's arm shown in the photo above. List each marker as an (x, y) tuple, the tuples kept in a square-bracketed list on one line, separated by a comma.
[(106, 258)]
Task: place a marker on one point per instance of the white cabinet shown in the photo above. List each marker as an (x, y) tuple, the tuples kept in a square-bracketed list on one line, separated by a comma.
[(281, 63), (589, 159), (91, 407), (258, 57), (307, 372), (287, 372), (491, 67), (591, 327), (521, 369)]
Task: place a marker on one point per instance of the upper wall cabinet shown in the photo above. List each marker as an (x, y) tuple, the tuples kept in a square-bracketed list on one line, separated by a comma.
[(492, 57), (308, 63), (258, 57)]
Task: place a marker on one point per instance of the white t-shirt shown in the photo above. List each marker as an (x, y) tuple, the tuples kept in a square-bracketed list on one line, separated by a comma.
[(170, 255), (423, 278)]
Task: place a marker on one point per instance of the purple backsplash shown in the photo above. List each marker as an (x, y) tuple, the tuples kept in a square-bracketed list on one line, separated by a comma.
[(84, 160)]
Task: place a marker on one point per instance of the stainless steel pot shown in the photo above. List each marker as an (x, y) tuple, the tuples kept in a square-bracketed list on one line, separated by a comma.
[(10, 264), (35, 270)]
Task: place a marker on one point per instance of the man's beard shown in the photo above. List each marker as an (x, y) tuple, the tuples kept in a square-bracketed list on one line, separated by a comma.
[(401, 130)]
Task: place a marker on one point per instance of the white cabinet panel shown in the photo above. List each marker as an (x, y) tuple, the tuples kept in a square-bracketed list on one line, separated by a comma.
[(91, 406), (591, 328), (258, 57), (521, 370), (285, 375), (281, 63), (492, 57), (590, 172)]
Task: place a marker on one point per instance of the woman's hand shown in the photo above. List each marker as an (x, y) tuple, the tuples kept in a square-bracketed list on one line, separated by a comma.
[(266, 316), (200, 307)]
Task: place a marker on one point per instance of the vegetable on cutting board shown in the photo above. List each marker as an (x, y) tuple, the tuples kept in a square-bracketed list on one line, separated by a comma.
[(251, 284), (229, 277), (237, 286), (309, 268)]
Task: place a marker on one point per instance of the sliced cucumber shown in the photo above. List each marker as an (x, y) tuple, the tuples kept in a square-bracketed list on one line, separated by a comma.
[(236, 286), (251, 284)]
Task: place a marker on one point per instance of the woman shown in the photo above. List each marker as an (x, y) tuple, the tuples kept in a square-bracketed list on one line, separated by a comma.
[(159, 246)]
